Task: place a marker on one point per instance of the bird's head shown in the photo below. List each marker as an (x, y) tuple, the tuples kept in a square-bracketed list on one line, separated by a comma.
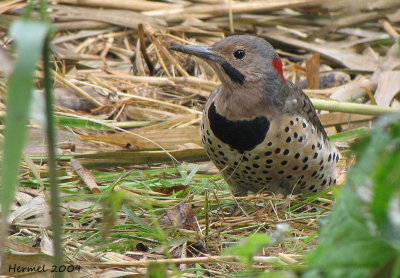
[(241, 61)]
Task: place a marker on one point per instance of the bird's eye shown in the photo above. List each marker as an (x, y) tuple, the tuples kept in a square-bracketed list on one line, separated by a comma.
[(239, 54)]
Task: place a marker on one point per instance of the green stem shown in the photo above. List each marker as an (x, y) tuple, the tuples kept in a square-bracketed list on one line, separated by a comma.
[(56, 220), (349, 107)]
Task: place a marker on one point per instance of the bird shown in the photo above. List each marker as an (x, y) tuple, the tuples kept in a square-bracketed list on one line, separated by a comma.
[(259, 129)]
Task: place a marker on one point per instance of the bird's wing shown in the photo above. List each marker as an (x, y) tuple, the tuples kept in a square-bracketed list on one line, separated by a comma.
[(298, 102)]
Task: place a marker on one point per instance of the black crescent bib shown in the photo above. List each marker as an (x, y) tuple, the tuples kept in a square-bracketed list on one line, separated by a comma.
[(240, 135)]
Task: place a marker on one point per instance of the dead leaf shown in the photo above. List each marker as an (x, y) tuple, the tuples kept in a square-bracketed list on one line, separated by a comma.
[(169, 190), (354, 89), (20, 247), (46, 244), (182, 217), (35, 207), (388, 87), (331, 51)]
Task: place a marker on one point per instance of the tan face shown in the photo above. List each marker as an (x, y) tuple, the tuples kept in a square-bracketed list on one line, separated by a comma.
[(239, 60), (250, 56), (251, 73)]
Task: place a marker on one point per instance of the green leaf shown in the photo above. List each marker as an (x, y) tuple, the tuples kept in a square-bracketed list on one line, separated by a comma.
[(157, 270), (348, 134), (276, 274), (29, 37), (249, 247), (386, 187), (82, 123), (132, 215), (360, 238), (189, 177)]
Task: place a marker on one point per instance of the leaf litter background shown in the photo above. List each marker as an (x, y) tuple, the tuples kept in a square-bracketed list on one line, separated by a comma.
[(129, 113)]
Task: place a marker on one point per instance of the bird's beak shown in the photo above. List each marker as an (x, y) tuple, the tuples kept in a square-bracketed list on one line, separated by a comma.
[(200, 51)]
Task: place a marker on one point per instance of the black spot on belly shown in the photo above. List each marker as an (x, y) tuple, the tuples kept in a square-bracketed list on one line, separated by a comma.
[(240, 135), (313, 174)]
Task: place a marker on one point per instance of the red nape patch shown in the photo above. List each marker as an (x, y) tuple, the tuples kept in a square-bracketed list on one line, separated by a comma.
[(277, 63)]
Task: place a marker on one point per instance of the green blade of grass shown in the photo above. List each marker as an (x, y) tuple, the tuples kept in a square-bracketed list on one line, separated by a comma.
[(348, 134), (29, 38)]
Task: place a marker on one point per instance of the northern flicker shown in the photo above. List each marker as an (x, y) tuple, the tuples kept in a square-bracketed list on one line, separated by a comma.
[(260, 130)]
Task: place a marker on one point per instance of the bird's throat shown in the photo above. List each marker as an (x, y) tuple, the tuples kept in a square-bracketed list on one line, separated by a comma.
[(239, 103)]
